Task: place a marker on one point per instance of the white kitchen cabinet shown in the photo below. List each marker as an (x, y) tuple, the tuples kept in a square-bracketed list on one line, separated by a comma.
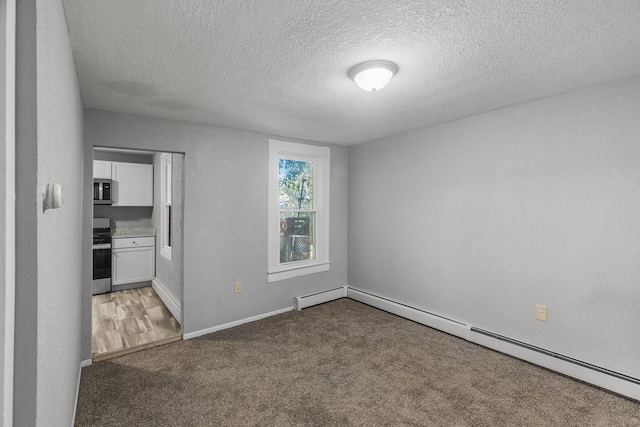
[(132, 184), (102, 169), (133, 260)]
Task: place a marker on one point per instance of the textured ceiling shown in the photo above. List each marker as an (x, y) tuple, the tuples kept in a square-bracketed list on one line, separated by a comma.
[(280, 67)]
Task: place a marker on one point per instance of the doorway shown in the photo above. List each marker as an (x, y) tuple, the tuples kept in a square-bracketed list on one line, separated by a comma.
[(143, 306)]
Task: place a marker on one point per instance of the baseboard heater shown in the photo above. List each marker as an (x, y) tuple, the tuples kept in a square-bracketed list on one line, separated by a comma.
[(557, 355), (435, 321), (319, 298)]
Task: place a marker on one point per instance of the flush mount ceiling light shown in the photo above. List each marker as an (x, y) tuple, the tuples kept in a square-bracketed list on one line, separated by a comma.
[(373, 75)]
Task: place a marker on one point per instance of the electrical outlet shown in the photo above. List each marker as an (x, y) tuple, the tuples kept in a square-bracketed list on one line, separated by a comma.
[(237, 287), (541, 312)]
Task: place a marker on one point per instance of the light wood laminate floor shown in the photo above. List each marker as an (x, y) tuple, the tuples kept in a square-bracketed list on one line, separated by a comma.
[(128, 321)]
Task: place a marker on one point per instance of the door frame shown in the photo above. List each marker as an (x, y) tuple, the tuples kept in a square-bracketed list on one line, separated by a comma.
[(7, 204)]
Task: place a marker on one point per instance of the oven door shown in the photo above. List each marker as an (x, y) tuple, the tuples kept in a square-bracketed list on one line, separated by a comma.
[(101, 261), (101, 268)]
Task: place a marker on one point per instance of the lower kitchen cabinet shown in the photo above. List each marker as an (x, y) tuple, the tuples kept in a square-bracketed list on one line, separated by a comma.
[(133, 260)]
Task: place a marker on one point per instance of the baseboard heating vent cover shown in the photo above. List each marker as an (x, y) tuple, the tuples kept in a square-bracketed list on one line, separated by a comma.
[(555, 355), (318, 298), (432, 320)]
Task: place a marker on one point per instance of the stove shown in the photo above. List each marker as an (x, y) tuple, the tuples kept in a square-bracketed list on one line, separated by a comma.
[(101, 282)]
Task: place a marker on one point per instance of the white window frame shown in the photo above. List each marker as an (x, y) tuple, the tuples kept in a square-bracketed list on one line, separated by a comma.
[(166, 174), (321, 157)]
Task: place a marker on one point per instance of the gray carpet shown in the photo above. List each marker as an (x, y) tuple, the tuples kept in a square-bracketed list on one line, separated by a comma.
[(337, 364)]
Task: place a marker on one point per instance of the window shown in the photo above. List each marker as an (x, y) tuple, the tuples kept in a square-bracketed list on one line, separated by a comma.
[(298, 209), (165, 204)]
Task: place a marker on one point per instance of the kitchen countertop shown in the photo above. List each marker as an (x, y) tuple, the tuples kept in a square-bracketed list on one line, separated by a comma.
[(133, 232)]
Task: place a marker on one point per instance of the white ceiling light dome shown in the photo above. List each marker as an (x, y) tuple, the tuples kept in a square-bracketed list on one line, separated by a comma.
[(373, 75)]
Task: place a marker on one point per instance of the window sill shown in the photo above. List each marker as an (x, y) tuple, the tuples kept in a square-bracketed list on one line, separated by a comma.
[(295, 272)]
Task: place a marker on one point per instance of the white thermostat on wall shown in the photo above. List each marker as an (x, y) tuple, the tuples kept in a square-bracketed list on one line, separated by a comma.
[(52, 196)]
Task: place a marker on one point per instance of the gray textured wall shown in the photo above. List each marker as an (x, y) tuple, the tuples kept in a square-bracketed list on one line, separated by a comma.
[(49, 245), (60, 240), (3, 199), (482, 218), (225, 215), (87, 250), (26, 297), (169, 272), (123, 157)]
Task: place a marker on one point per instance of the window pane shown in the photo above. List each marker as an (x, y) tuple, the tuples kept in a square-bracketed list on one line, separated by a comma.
[(169, 225), (297, 231), (295, 182), (167, 180)]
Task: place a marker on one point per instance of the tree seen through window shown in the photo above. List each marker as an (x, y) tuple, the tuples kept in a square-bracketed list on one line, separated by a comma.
[(297, 210)]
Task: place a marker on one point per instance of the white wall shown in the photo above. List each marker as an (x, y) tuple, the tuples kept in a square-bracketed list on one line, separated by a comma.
[(169, 272), (482, 218), (60, 151), (225, 215)]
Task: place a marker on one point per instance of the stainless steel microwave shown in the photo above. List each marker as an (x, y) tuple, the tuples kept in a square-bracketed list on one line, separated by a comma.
[(102, 191)]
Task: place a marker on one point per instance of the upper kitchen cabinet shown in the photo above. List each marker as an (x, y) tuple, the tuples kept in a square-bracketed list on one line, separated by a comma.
[(101, 169), (132, 184)]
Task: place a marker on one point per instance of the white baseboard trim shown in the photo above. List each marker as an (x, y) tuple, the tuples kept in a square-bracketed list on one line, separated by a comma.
[(75, 404), (201, 332), (593, 375), (83, 364), (168, 299), (443, 324), (319, 298)]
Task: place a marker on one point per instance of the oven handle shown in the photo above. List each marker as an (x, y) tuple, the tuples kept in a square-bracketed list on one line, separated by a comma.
[(102, 246)]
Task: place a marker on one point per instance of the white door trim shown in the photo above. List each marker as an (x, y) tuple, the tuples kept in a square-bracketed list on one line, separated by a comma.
[(9, 27)]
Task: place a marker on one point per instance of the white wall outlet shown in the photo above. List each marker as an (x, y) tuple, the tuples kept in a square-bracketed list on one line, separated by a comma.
[(237, 287), (541, 312)]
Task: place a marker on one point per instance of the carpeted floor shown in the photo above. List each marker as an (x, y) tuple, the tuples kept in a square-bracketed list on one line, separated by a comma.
[(337, 364)]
